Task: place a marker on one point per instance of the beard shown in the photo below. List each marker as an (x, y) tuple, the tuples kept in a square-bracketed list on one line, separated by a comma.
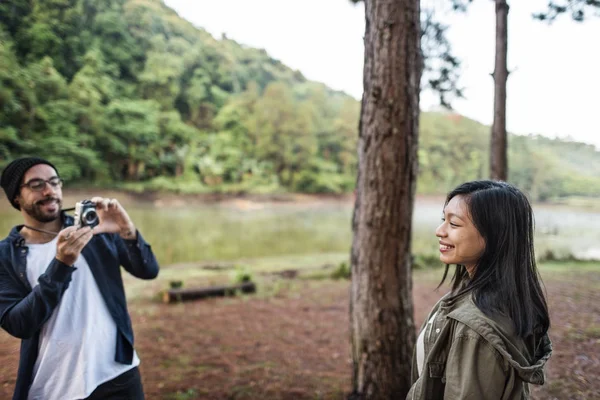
[(37, 212)]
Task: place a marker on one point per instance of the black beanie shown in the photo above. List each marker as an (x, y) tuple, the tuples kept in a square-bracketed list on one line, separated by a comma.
[(13, 175)]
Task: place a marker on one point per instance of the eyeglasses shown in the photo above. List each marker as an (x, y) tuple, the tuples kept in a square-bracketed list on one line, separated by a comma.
[(37, 185)]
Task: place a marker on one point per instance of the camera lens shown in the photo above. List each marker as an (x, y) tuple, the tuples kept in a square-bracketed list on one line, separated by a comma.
[(89, 217)]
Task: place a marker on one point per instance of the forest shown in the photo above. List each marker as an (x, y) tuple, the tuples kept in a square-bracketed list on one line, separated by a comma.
[(127, 94)]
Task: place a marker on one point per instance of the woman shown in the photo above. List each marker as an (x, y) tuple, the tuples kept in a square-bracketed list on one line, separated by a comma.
[(487, 338)]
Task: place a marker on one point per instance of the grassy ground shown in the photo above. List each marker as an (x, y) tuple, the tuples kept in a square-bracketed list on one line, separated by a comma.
[(290, 340)]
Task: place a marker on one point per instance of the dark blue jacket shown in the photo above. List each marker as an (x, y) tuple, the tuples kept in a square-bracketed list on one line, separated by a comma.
[(24, 311)]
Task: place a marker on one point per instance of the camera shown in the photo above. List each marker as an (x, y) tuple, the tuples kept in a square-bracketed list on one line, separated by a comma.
[(85, 214)]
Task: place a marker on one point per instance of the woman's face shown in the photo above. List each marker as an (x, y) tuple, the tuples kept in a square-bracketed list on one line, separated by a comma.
[(460, 241)]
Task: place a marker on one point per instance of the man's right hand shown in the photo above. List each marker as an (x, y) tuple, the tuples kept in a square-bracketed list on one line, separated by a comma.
[(70, 243)]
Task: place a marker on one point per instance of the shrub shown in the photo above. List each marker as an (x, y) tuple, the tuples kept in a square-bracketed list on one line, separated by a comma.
[(342, 271)]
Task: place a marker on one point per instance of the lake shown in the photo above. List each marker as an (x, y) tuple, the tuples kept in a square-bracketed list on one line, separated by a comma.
[(183, 230)]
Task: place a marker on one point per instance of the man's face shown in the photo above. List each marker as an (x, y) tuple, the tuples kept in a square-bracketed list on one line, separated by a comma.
[(41, 197)]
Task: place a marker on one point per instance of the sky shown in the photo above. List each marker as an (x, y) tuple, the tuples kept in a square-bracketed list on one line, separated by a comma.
[(553, 87)]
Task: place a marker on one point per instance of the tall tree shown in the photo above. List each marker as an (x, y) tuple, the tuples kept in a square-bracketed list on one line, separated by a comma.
[(498, 158), (498, 142), (382, 327)]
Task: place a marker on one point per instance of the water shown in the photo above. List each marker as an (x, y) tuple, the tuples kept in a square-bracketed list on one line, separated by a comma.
[(232, 231)]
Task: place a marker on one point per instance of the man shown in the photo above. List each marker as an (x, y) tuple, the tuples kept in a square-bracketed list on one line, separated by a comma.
[(61, 291)]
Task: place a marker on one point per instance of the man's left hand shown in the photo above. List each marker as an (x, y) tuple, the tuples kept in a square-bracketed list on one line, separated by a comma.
[(113, 218)]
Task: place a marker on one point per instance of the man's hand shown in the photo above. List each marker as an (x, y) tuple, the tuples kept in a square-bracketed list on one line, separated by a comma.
[(70, 243), (113, 218)]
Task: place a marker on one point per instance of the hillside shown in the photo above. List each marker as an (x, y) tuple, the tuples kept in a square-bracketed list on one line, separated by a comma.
[(454, 149), (126, 93)]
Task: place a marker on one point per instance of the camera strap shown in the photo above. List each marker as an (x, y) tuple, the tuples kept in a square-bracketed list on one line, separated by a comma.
[(41, 230), (45, 231)]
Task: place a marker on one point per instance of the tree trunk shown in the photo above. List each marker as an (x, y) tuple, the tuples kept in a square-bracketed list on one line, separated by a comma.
[(498, 158), (381, 310), (131, 169)]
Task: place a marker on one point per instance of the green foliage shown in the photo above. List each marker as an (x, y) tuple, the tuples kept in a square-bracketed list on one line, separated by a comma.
[(342, 271), (452, 150), (424, 261), (455, 149), (126, 93), (241, 275), (175, 284)]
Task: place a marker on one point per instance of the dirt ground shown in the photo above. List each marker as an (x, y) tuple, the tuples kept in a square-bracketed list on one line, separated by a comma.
[(293, 342)]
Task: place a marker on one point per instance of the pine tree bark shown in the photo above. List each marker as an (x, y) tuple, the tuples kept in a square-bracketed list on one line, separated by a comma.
[(498, 157), (381, 308)]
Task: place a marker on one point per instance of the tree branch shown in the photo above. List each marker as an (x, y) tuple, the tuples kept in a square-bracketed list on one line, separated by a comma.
[(579, 10)]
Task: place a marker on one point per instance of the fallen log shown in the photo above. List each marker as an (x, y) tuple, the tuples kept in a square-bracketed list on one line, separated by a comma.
[(181, 294)]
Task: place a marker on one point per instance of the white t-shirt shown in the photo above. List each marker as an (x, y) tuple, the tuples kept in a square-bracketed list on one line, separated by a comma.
[(78, 343), (421, 344)]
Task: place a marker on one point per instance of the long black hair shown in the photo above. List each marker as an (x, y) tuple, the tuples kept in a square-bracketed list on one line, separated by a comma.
[(506, 280)]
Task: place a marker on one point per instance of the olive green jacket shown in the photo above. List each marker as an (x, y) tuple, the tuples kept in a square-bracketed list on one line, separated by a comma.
[(471, 356)]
